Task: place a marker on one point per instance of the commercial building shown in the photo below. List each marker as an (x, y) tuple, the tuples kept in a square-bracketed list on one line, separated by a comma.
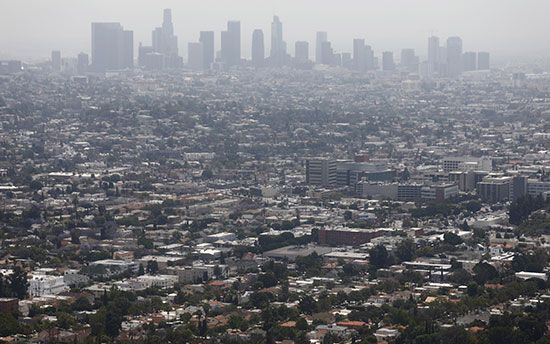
[(207, 40), (231, 44), (112, 47), (258, 49), (321, 171)]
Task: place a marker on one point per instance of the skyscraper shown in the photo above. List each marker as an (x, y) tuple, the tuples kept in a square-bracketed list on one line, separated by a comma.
[(56, 61), (320, 38), (469, 59), (258, 49), (327, 54), (231, 43), (301, 51), (433, 55), (483, 60), (387, 61), (165, 42), (112, 47), (207, 40), (278, 46), (454, 56), (82, 63), (195, 58), (409, 60)]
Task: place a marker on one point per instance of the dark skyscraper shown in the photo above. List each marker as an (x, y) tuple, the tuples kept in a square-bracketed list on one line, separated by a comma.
[(207, 40), (231, 44), (258, 49), (56, 61), (469, 59), (278, 47), (112, 47), (165, 42), (320, 38), (433, 55), (387, 61), (454, 56), (483, 61), (301, 51)]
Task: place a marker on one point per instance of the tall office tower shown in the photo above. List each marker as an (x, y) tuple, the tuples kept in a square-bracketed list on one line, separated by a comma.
[(231, 44), (143, 51), (369, 56), (320, 38), (359, 55), (112, 47), (469, 59), (327, 54), (258, 49), (195, 58), (409, 60), (82, 63), (321, 171), (387, 61), (454, 56), (278, 46), (433, 55), (301, 51), (165, 42), (207, 40), (346, 60), (483, 60), (56, 61)]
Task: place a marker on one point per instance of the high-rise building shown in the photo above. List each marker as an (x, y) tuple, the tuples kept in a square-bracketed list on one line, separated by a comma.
[(321, 171), (207, 40), (278, 47), (56, 61), (469, 61), (301, 51), (82, 63), (195, 58), (409, 60), (454, 56), (370, 60), (231, 44), (258, 49), (359, 55), (433, 55), (112, 47), (321, 37), (387, 61), (483, 60), (143, 52), (327, 54), (165, 42)]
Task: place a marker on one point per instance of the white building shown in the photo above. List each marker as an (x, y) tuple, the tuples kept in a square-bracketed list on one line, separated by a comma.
[(46, 285)]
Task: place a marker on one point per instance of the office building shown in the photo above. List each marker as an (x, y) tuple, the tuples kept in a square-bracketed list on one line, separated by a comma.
[(321, 171), (301, 51), (143, 51), (112, 47), (258, 49), (433, 55), (82, 63), (359, 55), (321, 37), (231, 44), (207, 40), (409, 60), (387, 61), (195, 58), (56, 61), (277, 54), (483, 61), (454, 56), (165, 42), (470, 61)]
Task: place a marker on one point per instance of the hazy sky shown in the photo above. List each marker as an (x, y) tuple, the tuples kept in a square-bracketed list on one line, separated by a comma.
[(32, 28)]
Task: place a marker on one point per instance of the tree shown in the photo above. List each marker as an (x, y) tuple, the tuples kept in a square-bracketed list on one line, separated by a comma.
[(8, 325), (152, 267), (141, 270), (460, 276), (452, 239), (378, 257), (307, 304), (19, 283), (405, 250), (535, 262), (484, 272), (113, 322), (301, 324)]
